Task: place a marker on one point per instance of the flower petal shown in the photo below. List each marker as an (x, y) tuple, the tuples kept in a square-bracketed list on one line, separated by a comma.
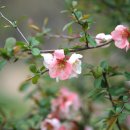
[(59, 54), (48, 58)]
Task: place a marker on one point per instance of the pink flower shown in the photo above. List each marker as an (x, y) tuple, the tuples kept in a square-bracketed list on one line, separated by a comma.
[(88, 128), (101, 38), (62, 67), (120, 35), (65, 102), (76, 64), (51, 124)]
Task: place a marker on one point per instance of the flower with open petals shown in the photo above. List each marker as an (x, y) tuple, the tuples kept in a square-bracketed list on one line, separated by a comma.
[(61, 66), (120, 35), (58, 65), (101, 38), (66, 102), (50, 124)]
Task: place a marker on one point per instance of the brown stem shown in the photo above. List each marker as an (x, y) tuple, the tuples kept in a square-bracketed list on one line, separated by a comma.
[(110, 98), (76, 49)]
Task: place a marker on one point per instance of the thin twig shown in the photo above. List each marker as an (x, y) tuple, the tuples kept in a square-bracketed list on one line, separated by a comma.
[(63, 36), (14, 26), (76, 49), (110, 98), (82, 25)]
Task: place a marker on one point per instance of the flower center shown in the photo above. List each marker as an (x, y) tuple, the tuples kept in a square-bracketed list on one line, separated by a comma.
[(49, 126), (125, 33), (61, 64)]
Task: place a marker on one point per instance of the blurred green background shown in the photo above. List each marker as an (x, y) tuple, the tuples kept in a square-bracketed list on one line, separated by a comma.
[(106, 15)]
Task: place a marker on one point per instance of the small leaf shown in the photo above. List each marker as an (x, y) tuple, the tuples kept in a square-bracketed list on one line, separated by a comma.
[(95, 93), (127, 106), (127, 75), (98, 82), (24, 86), (33, 68), (2, 64), (67, 25), (74, 3), (91, 41), (35, 51), (104, 65), (10, 43), (33, 41), (35, 79), (35, 27)]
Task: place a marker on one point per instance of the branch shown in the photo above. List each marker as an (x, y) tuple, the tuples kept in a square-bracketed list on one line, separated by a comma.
[(111, 99), (63, 36), (14, 26), (78, 49)]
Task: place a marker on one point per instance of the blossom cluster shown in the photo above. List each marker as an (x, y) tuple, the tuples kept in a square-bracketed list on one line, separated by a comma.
[(120, 36), (64, 67), (61, 66), (65, 107)]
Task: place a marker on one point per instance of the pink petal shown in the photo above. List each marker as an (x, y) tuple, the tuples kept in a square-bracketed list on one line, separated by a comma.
[(59, 54), (65, 73)]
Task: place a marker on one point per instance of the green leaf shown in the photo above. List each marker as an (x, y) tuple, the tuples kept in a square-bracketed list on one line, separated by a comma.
[(91, 41), (127, 106), (74, 3), (42, 68), (104, 65), (122, 117), (33, 68), (33, 41), (98, 82), (68, 25), (127, 75), (35, 51), (95, 93), (2, 64), (97, 72), (35, 79), (10, 43), (78, 14), (24, 86)]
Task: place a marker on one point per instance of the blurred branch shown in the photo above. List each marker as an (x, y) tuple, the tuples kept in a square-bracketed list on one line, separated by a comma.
[(111, 99), (13, 24), (63, 36)]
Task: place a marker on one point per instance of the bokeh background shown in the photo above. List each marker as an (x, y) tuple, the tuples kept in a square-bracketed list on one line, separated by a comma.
[(106, 15)]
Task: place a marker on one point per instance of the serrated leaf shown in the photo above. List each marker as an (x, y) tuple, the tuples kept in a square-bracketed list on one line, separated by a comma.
[(67, 25), (35, 51)]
